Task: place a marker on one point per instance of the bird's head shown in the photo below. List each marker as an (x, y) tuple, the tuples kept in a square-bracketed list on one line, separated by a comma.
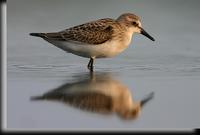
[(133, 23), (130, 113)]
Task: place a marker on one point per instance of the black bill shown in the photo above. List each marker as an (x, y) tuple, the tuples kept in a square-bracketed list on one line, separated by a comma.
[(147, 99), (143, 32)]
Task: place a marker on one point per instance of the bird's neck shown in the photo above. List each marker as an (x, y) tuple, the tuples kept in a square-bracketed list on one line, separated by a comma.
[(127, 37)]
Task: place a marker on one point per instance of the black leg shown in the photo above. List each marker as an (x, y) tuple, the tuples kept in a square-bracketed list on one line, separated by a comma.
[(90, 64)]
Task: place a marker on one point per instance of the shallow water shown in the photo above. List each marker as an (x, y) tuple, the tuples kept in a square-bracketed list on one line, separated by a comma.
[(169, 67)]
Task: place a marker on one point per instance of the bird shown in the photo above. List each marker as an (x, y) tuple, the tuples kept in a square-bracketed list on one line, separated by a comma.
[(102, 38), (98, 93)]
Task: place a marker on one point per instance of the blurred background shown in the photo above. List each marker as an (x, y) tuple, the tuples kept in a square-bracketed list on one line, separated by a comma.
[(170, 66)]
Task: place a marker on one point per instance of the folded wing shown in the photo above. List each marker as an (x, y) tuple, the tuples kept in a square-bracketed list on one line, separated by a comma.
[(96, 32)]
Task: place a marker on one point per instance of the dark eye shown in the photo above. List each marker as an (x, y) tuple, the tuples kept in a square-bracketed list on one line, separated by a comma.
[(134, 23)]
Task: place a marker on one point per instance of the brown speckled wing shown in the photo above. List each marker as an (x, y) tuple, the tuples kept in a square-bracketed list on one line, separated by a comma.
[(96, 32), (95, 102), (90, 101)]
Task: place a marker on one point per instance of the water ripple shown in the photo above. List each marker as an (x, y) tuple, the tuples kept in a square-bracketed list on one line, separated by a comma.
[(62, 69)]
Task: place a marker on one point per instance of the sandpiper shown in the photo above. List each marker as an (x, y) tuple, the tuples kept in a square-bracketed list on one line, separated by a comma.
[(97, 39)]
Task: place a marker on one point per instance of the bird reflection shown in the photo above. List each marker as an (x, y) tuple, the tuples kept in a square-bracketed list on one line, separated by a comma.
[(98, 92)]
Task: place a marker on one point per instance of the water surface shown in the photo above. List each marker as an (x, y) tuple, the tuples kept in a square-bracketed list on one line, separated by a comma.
[(169, 67)]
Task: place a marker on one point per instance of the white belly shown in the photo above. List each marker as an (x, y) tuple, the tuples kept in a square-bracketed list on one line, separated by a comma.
[(107, 49)]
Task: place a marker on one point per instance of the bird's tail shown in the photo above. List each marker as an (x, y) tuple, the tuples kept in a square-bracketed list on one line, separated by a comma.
[(38, 98), (42, 35)]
